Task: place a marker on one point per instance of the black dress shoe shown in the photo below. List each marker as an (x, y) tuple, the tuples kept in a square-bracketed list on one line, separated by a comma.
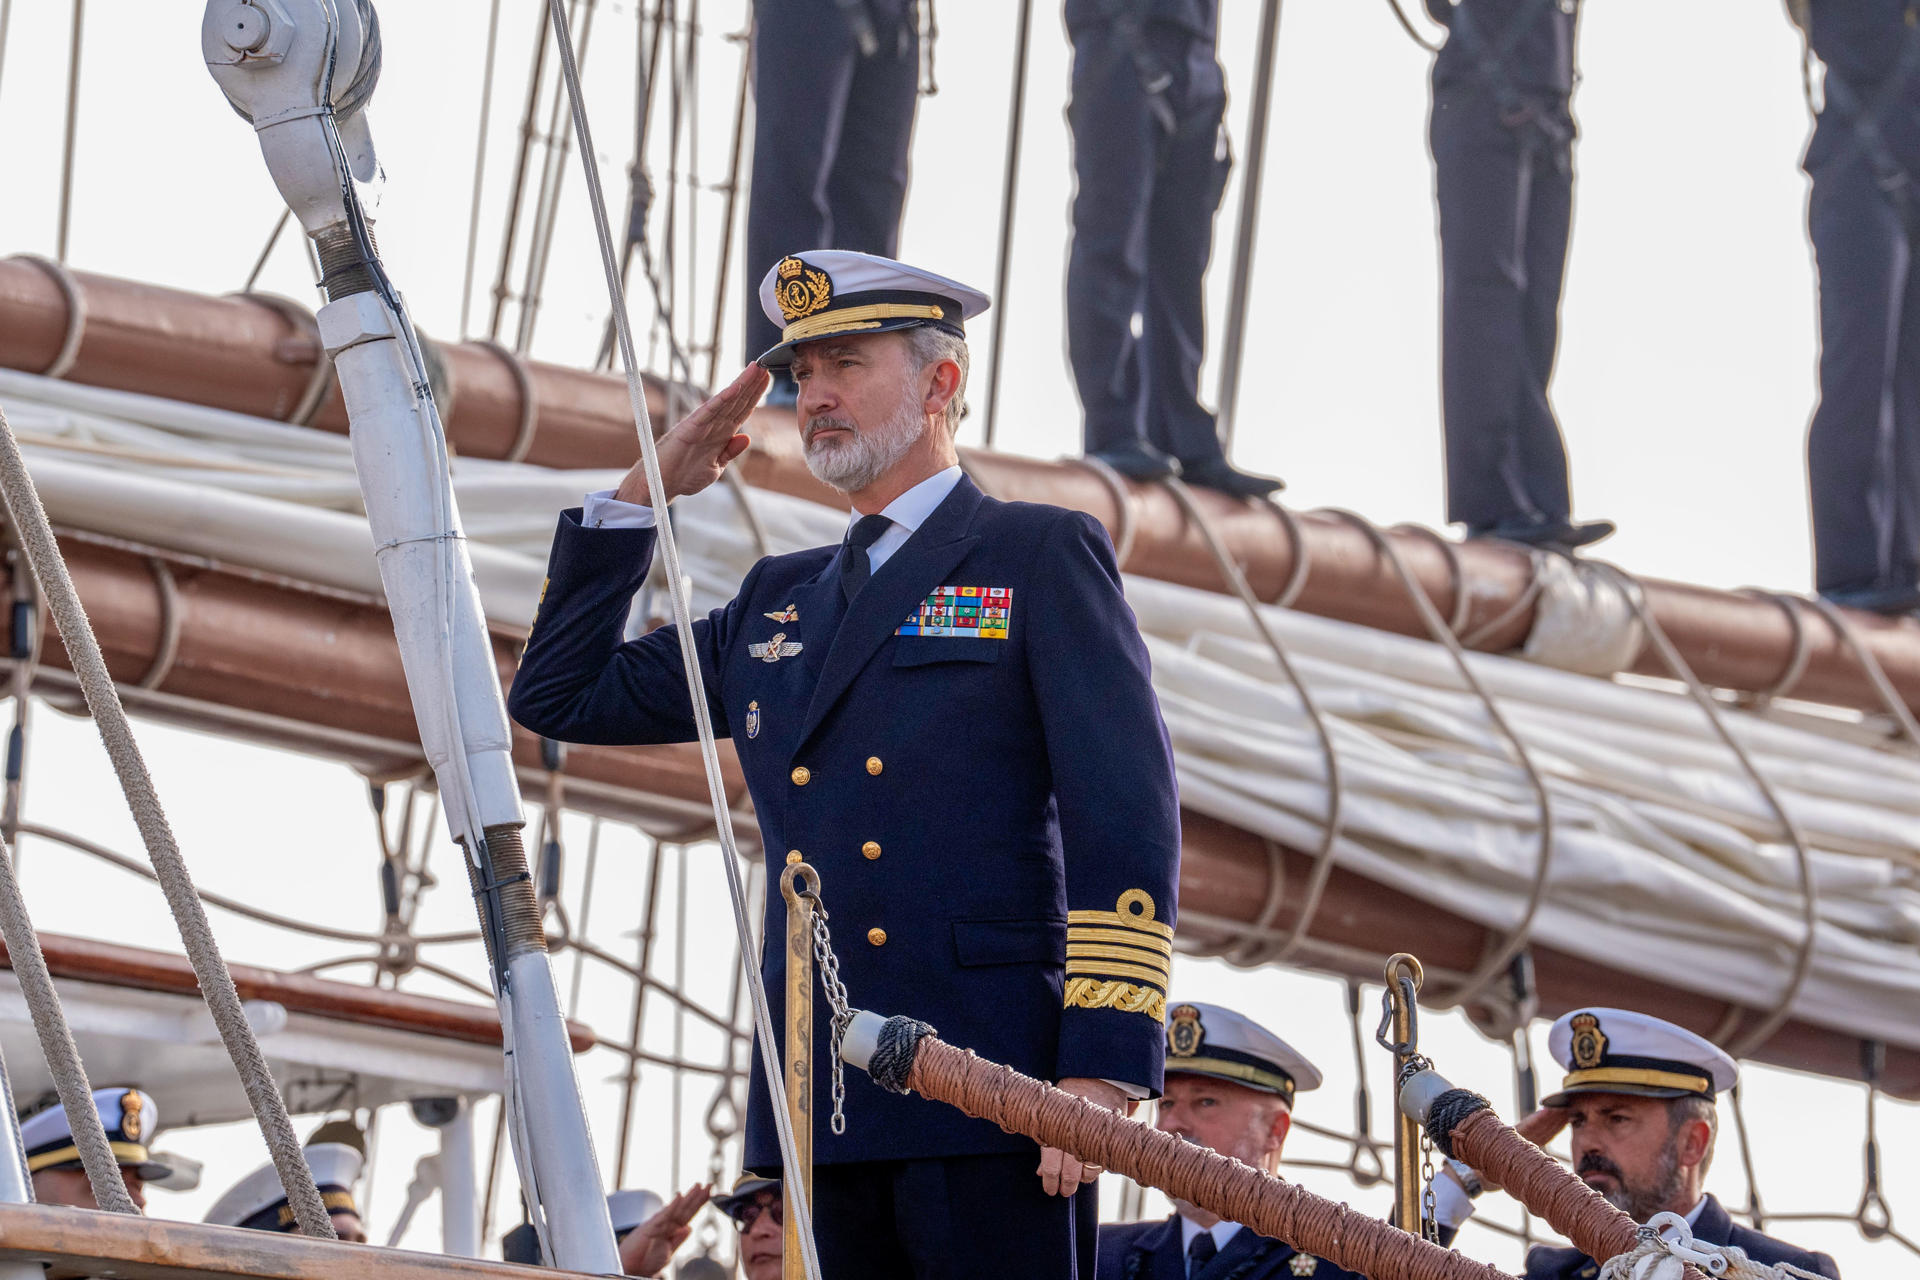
[(1549, 535), (1137, 460), (1223, 477), (1891, 598)]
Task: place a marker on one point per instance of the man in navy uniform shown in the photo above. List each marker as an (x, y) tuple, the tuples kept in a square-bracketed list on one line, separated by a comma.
[(949, 714), (1502, 136), (835, 83), (1230, 1084), (258, 1202), (1150, 161), (130, 1118), (1863, 450), (756, 1209), (1638, 1105)]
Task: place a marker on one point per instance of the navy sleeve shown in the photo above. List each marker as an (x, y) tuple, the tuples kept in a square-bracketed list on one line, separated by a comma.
[(1119, 807), (579, 681)]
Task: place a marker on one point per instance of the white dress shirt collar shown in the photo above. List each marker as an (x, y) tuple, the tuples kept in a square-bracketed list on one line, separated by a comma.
[(1221, 1231), (911, 509)]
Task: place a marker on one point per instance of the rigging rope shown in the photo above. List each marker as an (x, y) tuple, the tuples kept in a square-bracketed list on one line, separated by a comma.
[(29, 518), (479, 171), (56, 1043), (797, 1198)]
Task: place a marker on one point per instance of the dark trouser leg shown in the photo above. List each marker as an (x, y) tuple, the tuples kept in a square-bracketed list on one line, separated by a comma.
[(1549, 220), (1115, 142), (803, 69), (853, 1221), (867, 186), (1186, 195), (1863, 258), (1493, 380)]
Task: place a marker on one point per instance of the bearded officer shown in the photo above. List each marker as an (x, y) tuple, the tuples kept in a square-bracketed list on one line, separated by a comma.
[(130, 1118), (1638, 1105), (258, 1202), (950, 715)]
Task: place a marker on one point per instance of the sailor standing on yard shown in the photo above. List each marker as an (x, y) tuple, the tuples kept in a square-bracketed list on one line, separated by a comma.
[(949, 715)]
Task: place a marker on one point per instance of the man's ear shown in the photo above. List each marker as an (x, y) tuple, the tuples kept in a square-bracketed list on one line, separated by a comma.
[(942, 387), (1693, 1142), (1277, 1133)]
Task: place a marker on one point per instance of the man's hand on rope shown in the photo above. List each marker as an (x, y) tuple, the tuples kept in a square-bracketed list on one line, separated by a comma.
[(1062, 1174), (1540, 1128), (649, 1247), (700, 445)]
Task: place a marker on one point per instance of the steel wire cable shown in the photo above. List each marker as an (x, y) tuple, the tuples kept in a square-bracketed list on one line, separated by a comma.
[(797, 1198)]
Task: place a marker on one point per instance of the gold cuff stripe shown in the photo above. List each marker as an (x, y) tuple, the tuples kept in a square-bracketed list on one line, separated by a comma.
[(1125, 937), (1091, 993), (124, 1152), (1640, 1076), (1115, 969), (851, 318), (1118, 919), (1233, 1070), (1095, 951)]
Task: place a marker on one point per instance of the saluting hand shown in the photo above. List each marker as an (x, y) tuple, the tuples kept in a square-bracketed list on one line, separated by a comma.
[(700, 446), (1062, 1174), (649, 1247)]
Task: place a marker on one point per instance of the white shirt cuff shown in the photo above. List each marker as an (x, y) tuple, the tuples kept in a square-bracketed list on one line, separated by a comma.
[(1451, 1204), (1134, 1092), (604, 511)]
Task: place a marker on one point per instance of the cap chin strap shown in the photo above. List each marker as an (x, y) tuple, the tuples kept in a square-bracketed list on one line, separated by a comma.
[(849, 319), (1692, 1083), (125, 1152)]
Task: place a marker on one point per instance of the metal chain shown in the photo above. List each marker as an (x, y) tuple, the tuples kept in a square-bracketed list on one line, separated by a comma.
[(1429, 1210), (836, 991)]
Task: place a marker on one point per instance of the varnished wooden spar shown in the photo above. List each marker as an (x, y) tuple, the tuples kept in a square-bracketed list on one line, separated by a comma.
[(248, 356), (83, 1242), (89, 960), (325, 662)]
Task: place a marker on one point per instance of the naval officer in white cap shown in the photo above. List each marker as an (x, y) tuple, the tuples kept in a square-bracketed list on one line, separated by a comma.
[(258, 1201), (1230, 1085), (1638, 1106), (53, 1159)]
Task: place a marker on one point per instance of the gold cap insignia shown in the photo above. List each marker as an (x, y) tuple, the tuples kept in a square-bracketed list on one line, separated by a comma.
[(1303, 1264), (1184, 1032), (131, 1119), (1589, 1043), (800, 289)]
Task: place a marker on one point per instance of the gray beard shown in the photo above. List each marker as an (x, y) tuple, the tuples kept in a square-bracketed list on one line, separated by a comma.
[(855, 464), (1659, 1196)]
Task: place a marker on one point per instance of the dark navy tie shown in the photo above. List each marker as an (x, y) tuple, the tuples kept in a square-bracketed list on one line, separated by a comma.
[(1200, 1253), (855, 568)]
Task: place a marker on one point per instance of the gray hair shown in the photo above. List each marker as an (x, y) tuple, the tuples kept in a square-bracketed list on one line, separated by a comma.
[(927, 346)]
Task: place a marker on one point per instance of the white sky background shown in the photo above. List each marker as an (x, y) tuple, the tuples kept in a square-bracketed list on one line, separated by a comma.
[(1684, 386)]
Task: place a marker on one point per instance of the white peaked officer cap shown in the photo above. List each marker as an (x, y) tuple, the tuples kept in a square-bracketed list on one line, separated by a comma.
[(1206, 1040), (630, 1208), (1620, 1051), (828, 293), (130, 1118), (258, 1201)]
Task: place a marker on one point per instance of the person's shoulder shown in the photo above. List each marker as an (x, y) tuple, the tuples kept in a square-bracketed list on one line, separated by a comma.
[(1033, 522), (1761, 1247), (1545, 1262), (1118, 1238)]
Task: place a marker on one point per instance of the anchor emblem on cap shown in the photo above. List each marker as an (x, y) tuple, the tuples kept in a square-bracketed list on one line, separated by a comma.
[(1589, 1042)]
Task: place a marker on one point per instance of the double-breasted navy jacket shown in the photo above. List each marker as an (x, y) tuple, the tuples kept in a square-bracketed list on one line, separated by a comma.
[(1152, 1251), (993, 815)]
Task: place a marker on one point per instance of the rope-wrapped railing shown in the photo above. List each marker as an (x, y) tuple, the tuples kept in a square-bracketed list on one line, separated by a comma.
[(903, 1055), (1463, 1125)]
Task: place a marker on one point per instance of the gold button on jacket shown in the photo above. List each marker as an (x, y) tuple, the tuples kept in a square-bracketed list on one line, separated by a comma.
[(878, 937), (872, 849), (801, 776), (874, 766)]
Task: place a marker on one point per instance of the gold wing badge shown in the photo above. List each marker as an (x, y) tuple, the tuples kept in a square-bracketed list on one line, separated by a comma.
[(775, 649)]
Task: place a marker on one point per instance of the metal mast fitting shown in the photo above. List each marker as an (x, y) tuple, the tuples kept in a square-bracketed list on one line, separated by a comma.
[(301, 72)]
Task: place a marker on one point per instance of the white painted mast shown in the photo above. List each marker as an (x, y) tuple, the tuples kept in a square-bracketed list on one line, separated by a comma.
[(301, 72)]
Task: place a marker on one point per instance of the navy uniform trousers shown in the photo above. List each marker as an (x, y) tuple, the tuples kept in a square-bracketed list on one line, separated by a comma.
[(1149, 180), (1151, 1251), (1715, 1226), (1863, 449), (994, 821), (1502, 139), (830, 136)]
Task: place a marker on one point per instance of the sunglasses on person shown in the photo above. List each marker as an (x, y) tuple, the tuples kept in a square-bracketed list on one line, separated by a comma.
[(745, 1215)]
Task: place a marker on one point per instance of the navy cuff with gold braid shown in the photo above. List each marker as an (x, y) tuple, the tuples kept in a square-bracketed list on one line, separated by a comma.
[(1119, 959)]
